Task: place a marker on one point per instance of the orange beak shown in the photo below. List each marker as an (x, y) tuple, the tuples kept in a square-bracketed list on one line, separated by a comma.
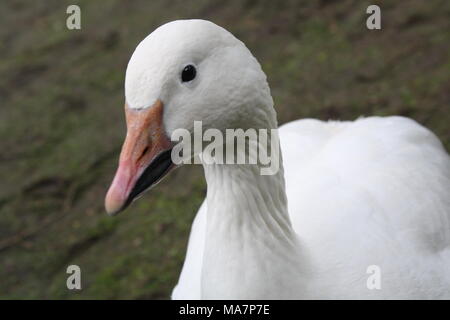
[(145, 157)]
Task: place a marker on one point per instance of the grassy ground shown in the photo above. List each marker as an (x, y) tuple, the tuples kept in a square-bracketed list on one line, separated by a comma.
[(61, 121)]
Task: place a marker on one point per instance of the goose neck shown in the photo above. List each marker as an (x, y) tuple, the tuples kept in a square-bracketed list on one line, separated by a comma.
[(251, 250)]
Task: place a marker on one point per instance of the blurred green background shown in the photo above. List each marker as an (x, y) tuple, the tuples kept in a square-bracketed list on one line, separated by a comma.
[(62, 123)]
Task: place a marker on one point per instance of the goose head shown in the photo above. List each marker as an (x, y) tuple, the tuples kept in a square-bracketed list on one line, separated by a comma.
[(184, 71)]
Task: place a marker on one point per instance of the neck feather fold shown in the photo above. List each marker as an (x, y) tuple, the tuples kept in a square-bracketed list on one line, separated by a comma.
[(250, 247)]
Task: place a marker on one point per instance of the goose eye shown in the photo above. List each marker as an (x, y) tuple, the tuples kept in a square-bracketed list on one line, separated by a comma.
[(188, 73)]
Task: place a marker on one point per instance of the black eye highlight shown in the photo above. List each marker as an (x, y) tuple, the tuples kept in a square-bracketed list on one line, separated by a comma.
[(188, 73)]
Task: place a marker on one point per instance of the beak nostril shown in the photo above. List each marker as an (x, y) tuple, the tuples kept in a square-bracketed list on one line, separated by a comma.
[(144, 152)]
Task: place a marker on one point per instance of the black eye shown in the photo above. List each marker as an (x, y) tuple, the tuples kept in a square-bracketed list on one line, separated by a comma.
[(188, 73)]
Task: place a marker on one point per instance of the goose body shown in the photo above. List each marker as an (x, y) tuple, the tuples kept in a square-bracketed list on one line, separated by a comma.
[(373, 192), (349, 197)]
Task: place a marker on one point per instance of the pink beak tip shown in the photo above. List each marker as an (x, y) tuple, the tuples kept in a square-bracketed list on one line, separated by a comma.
[(113, 203), (118, 193)]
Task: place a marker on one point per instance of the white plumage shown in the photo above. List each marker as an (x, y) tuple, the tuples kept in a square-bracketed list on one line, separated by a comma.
[(372, 192)]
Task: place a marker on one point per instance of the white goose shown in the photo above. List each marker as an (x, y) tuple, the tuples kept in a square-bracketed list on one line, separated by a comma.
[(368, 195)]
